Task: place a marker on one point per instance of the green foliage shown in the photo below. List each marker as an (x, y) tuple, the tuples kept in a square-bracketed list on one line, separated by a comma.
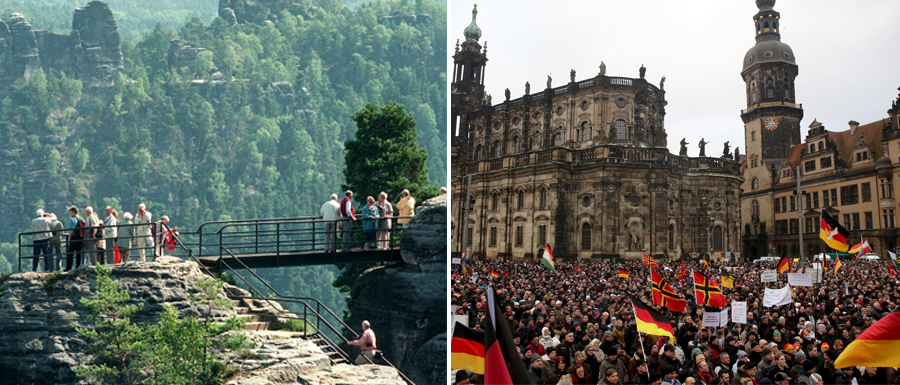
[(385, 155), (294, 325), (174, 351)]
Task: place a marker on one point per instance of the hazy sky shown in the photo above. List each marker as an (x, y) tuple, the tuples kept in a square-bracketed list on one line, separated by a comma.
[(849, 63)]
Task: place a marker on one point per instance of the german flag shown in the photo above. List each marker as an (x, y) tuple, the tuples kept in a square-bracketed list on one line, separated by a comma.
[(650, 321), (855, 248), (707, 291), (837, 265), (502, 365), (705, 263), (833, 233), (665, 295), (784, 265), (495, 275), (648, 260), (467, 349), (868, 349), (623, 273)]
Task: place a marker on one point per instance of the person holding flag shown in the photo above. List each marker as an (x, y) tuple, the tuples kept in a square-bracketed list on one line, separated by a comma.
[(547, 258)]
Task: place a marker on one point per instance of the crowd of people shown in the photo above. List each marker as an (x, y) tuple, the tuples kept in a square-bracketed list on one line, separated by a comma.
[(90, 240), (576, 325), (377, 220)]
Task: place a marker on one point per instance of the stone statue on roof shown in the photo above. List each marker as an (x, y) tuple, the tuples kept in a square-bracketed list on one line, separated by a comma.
[(662, 83), (737, 154), (549, 81), (684, 144), (527, 88), (702, 146), (726, 153), (602, 68), (572, 75)]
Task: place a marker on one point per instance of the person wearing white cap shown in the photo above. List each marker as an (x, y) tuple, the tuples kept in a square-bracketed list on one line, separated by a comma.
[(40, 227)]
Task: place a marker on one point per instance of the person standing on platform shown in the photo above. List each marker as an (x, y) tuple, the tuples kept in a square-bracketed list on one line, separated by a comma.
[(92, 240), (144, 219), (55, 246), (385, 212), (348, 216), (366, 343), (370, 219), (110, 234), (75, 245), (331, 213), (405, 208), (126, 237), (40, 226)]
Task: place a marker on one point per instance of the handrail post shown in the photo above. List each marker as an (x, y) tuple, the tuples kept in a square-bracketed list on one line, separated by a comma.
[(256, 237), (278, 238), (20, 253)]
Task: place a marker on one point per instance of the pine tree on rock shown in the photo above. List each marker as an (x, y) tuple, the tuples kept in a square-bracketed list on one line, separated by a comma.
[(385, 155)]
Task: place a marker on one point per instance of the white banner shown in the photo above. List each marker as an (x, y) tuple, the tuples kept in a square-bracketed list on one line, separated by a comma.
[(768, 276), (739, 312), (817, 275), (461, 318), (723, 317), (711, 319), (777, 297), (455, 261), (800, 280)]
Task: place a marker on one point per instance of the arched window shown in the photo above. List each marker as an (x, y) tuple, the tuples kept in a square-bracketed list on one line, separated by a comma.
[(520, 200), (495, 202), (478, 152), (518, 144), (586, 236), (754, 184), (495, 149), (754, 207), (621, 130), (543, 198), (753, 136), (821, 146), (766, 24), (542, 235), (717, 240), (585, 132)]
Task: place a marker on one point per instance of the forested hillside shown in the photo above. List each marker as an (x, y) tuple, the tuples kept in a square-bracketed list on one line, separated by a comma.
[(232, 120)]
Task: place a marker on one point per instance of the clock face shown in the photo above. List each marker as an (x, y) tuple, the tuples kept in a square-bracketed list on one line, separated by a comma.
[(771, 123)]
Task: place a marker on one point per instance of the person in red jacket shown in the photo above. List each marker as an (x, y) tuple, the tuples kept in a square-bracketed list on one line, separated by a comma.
[(348, 216)]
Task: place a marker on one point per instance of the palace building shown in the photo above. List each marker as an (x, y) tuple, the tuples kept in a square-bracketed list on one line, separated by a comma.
[(583, 166), (849, 174)]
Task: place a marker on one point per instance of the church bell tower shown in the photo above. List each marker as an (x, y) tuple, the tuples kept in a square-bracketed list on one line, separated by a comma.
[(466, 88), (772, 118)]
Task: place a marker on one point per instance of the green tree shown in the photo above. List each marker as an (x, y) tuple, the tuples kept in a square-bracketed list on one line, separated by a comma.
[(385, 156)]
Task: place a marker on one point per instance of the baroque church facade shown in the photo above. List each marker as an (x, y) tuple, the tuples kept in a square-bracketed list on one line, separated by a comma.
[(583, 167), (848, 174)]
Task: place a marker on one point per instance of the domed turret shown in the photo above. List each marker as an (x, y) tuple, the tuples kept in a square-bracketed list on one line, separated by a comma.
[(765, 5), (472, 32), (884, 161)]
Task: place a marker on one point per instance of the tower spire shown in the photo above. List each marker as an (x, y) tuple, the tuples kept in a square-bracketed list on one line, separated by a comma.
[(472, 32), (766, 21)]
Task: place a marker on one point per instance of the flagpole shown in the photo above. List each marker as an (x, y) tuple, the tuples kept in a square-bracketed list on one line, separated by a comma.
[(642, 342)]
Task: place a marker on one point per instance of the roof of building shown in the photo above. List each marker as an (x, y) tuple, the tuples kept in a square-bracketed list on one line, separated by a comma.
[(846, 143), (794, 155)]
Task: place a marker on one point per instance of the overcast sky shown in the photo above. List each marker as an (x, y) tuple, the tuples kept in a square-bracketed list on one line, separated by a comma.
[(849, 63)]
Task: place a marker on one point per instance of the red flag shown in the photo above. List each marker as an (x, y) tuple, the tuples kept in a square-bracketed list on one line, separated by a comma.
[(502, 364), (683, 274), (665, 295), (707, 291), (648, 260)]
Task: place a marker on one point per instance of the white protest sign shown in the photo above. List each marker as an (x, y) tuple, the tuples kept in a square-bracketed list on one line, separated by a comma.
[(461, 318), (711, 319), (777, 297), (723, 317), (817, 275), (768, 276), (455, 261), (739, 312), (800, 280)]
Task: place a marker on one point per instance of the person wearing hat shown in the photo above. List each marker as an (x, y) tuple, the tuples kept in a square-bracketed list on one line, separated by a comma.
[(40, 238), (815, 379), (749, 372), (766, 364), (799, 357), (809, 368), (668, 358), (547, 340), (670, 374), (534, 370), (846, 376), (616, 361), (641, 373), (536, 346), (549, 365), (462, 377), (826, 368)]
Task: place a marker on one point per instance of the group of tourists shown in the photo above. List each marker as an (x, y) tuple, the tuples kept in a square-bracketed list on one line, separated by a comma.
[(376, 215), (576, 325), (91, 240)]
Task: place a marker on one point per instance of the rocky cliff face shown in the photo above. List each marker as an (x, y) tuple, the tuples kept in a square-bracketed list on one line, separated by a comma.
[(406, 304), (91, 52), (41, 311)]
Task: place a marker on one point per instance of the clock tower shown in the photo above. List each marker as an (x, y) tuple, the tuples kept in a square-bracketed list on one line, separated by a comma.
[(772, 118)]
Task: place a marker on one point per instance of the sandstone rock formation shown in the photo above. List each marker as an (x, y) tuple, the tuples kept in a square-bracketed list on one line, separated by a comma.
[(41, 311), (91, 52), (406, 304)]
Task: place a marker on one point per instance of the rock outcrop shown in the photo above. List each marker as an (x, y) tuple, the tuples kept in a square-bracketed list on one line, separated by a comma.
[(90, 52), (406, 304), (41, 311)]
